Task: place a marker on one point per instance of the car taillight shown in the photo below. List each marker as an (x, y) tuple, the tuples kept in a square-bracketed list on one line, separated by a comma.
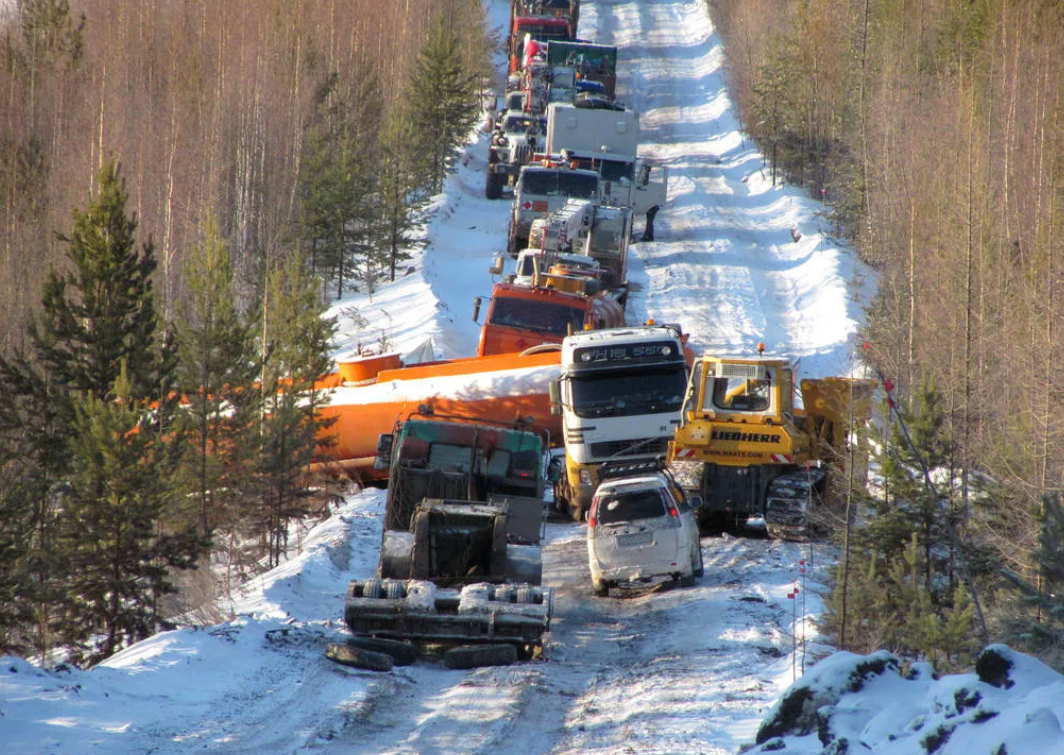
[(591, 522), (673, 512)]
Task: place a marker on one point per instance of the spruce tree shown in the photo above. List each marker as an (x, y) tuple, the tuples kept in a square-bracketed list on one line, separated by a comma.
[(447, 90), (402, 192)]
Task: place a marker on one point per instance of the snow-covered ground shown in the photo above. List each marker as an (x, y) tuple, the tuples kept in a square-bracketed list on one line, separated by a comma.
[(672, 671)]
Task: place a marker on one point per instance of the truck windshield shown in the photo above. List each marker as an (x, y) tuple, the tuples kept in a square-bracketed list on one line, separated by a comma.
[(559, 182), (538, 316), (626, 393), (615, 170)]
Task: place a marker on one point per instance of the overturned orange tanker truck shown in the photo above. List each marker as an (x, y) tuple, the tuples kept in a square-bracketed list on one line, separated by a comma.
[(369, 395)]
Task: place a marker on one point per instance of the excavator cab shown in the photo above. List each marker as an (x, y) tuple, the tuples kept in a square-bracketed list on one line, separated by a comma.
[(739, 390)]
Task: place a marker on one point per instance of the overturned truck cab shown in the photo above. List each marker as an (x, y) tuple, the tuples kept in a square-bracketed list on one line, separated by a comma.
[(460, 551)]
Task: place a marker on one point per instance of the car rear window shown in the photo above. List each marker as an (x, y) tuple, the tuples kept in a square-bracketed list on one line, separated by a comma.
[(627, 507)]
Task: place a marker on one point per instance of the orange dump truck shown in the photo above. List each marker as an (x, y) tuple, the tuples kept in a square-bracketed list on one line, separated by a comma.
[(520, 317), (370, 394)]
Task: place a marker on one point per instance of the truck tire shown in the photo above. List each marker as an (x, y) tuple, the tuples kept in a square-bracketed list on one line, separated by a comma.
[(700, 569), (601, 588), (493, 184), (346, 655), (402, 653), (474, 656), (512, 241)]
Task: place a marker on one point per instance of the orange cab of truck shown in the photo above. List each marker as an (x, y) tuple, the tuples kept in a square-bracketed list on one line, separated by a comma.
[(520, 317)]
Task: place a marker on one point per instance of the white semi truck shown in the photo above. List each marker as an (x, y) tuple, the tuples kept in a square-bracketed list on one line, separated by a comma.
[(619, 396)]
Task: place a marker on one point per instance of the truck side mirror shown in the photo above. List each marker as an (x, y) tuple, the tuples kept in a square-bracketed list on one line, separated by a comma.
[(496, 269), (476, 309), (695, 501), (384, 451), (554, 390)]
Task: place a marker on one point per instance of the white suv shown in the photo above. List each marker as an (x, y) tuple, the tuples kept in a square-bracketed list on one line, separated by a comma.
[(642, 530)]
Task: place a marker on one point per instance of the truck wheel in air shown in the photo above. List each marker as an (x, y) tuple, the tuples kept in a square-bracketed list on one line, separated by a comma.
[(493, 184), (346, 655), (402, 653), (474, 656), (395, 556)]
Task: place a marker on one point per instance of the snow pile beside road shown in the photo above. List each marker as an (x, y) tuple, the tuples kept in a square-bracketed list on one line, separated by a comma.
[(1012, 705)]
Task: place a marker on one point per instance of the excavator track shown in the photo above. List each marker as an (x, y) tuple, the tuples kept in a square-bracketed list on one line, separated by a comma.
[(789, 501)]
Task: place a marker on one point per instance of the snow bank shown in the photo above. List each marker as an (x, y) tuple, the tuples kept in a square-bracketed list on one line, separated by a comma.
[(1012, 704)]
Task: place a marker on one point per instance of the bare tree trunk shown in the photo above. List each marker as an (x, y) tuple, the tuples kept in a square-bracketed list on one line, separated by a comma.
[(910, 354)]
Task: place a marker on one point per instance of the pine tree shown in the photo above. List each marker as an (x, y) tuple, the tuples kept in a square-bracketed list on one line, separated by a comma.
[(401, 188), (114, 511), (447, 90), (98, 324), (102, 313), (219, 366), (339, 194), (904, 595), (33, 458), (292, 426)]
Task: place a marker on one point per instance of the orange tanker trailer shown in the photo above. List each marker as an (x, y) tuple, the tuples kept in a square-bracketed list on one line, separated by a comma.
[(370, 394)]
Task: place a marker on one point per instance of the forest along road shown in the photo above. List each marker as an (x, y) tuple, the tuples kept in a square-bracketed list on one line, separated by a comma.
[(675, 670)]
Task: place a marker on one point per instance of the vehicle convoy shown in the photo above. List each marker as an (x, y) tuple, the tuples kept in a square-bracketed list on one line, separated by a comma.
[(641, 529), (756, 458), (460, 557), (520, 317), (605, 138), (619, 396), (369, 394)]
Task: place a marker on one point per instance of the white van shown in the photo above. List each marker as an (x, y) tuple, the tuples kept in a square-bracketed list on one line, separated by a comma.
[(642, 531)]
